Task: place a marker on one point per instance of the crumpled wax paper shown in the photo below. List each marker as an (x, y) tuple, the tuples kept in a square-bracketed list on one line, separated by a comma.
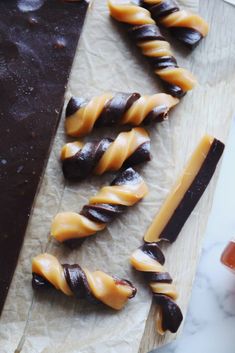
[(52, 322)]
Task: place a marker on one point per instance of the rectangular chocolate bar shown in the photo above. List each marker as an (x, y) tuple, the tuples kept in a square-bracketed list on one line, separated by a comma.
[(187, 191), (38, 40)]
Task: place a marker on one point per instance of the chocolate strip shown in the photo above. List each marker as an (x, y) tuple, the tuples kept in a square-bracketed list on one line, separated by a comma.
[(116, 108), (171, 313), (188, 36), (36, 45), (77, 281), (194, 193), (188, 190)]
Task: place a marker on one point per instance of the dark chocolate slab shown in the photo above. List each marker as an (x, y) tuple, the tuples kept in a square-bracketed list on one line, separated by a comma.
[(38, 40)]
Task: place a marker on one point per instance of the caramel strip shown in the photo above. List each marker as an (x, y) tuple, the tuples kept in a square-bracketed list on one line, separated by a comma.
[(186, 193), (73, 280)]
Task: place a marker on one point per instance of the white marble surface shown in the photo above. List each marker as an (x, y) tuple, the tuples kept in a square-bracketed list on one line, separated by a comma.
[(210, 323)]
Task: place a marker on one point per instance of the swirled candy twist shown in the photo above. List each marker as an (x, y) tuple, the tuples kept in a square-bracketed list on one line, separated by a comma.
[(111, 109), (126, 190), (186, 26), (154, 47), (129, 148), (73, 280), (149, 260)]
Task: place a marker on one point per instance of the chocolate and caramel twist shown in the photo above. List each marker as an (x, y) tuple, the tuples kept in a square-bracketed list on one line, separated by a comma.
[(186, 26), (126, 190), (153, 45), (98, 157), (112, 109), (149, 260), (73, 280)]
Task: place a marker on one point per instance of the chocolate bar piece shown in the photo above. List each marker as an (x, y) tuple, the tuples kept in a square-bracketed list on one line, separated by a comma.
[(187, 192), (38, 43)]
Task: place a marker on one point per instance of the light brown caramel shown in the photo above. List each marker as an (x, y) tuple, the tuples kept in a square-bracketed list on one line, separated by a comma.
[(82, 122), (145, 104), (186, 19), (70, 149), (124, 11), (179, 77), (48, 267), (121, 149), (70, 225), (105, 289), (182, 185)]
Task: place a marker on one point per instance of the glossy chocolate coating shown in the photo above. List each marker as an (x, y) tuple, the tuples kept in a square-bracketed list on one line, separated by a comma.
[(102, 213), (73, 105), (82, 164), (141, 155), (158, 277), (162, 62), (188, 36), (163, 9), (158, 114), (37, 49), (128, 176), (171, 313), (38, 282), (194, 193), (77, 281), (154, 251), (145, 32), (115, 108)]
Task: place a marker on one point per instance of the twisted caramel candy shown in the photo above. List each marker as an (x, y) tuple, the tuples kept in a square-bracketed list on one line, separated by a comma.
[(153, 45), (73, 280), (98, 157), (126, 190), (112, 109), (186, 26), (149, 260)]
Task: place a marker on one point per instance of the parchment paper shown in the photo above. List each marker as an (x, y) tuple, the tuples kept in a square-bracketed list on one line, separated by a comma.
[(51, 322)]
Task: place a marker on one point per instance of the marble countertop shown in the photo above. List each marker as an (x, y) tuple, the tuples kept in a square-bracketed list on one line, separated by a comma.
[(210, 323)]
